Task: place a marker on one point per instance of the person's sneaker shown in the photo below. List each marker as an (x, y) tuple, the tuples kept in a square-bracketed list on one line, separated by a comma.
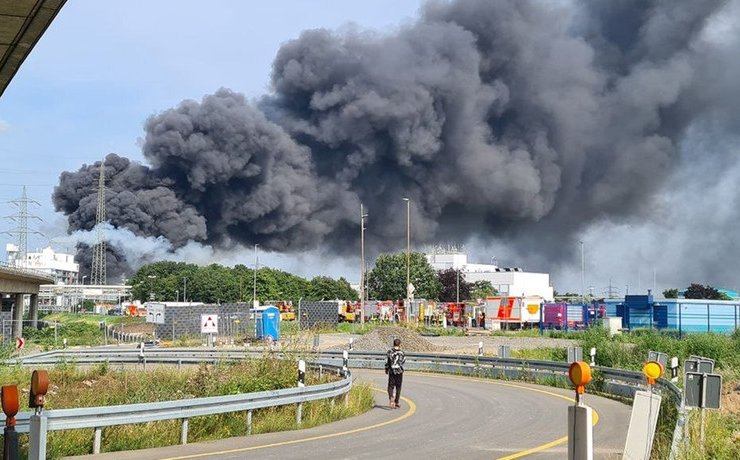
[(396, 406), (391, 404)]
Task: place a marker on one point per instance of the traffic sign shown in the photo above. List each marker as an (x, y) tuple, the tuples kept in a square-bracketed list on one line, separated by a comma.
[(155, 313), (19, 342), (209, 324), (702, 390)]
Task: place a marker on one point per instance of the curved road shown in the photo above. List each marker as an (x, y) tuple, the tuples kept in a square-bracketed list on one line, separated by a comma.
[(441, 417)]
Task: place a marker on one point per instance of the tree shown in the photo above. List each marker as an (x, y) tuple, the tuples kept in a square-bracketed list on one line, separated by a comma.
[(670, 293), (482, 289), (449, 281), (699, 291), (387, 280), (325, 288)]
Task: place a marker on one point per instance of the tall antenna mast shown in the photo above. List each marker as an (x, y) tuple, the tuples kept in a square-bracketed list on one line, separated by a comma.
[(98, 275), (22, 230)]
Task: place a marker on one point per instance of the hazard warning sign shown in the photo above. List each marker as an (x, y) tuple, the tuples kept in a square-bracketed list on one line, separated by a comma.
[(209, 324)]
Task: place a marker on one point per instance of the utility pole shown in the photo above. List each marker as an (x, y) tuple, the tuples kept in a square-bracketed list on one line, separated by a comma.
[(184, 289), (362, 264), (408, 248), (583, 275), (254, 285)]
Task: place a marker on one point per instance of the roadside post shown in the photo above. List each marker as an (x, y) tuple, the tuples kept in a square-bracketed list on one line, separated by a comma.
[(580, 416), (674, 369), (11, 404), (301, 384), (480, 348), (38, 421), (644, 417), (351, 339), (593, 356), (345, 361)]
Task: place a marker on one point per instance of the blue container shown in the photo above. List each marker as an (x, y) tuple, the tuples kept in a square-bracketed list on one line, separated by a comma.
[(267, 322)]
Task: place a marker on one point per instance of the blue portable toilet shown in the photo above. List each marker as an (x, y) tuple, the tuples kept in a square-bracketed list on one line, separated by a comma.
[(267, 322)]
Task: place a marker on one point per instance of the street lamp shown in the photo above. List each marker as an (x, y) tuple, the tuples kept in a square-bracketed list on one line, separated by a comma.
[(254, 284), (184, 289), (151, 286), (82, 292), (583, 276), (408, 247), (362, 264)]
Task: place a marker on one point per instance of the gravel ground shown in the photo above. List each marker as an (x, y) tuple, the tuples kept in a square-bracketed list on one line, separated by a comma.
[(379, 340)]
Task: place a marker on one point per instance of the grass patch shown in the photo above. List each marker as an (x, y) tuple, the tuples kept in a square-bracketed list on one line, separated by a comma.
[(73, 386)]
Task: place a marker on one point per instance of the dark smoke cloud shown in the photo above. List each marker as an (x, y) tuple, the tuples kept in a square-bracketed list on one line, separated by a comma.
[(514, 119)]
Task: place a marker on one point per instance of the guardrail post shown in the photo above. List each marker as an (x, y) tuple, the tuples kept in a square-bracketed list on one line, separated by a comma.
[(299, 414), (37, 437), (184, 431), (249, 421), (98, 439)]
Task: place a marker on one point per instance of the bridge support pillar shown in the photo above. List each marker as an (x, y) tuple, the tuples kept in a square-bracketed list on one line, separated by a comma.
[(33, 310), (18, 316)]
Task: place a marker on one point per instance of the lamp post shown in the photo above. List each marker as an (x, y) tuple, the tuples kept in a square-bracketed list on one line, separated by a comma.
[(177, 295), (362, 264), (254, 284), (82, 294), (151, 286), (583, 275), (408, 247), (184, 289)]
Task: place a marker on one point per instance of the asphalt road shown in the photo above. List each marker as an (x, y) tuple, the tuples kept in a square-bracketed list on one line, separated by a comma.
[(441, 417)]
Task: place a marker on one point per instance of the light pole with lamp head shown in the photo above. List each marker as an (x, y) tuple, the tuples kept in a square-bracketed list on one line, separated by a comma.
[(408, 251), (82, 293), (151, 286), (362, 264), (254, 284), (583, 276)]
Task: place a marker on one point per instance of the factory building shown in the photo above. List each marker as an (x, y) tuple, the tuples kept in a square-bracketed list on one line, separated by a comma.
[(513, 282)]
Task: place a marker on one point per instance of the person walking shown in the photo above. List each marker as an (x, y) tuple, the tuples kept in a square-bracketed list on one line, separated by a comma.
[(394, 369)]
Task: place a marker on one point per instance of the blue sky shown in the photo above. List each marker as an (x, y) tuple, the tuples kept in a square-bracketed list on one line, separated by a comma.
[(103, 67)]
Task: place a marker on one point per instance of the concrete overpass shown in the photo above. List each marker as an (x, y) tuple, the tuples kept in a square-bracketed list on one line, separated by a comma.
[(22, 23), (18, 282)]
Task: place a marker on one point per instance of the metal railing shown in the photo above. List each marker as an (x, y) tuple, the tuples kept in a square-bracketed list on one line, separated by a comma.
[(105, 416), (616, 382), (26, 271)]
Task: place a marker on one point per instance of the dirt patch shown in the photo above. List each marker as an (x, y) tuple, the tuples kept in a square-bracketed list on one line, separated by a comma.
[(380, 340), (731, 397)]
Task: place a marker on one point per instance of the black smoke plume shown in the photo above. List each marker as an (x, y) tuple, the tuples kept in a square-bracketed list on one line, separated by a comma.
[(518, 120)]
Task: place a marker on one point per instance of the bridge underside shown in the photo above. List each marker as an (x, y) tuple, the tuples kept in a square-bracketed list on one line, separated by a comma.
[(22, 23)]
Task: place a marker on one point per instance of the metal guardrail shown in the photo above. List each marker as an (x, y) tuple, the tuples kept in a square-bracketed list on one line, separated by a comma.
[(617, 382), (105, 416)]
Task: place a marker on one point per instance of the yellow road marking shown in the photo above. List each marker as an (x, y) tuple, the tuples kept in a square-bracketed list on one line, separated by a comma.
[(407, 414), (535, 449)]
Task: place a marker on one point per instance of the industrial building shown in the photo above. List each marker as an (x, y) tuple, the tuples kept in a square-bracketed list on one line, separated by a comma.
[(682, 315), (59, 265), (507, 281)]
